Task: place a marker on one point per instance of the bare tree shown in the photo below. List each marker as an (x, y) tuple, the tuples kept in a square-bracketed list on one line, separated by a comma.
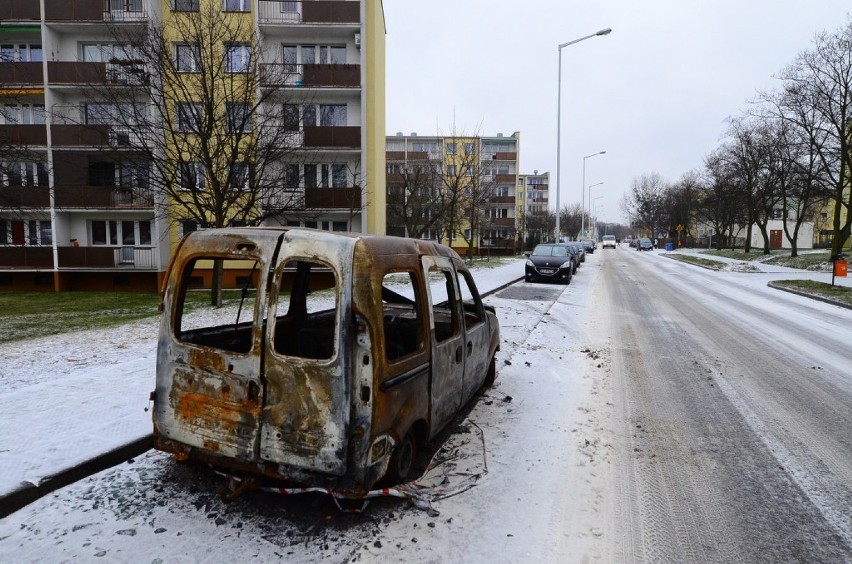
[(818, 89), (570, 219), (414, 200), (644, 204), (721, 202), (187, 102), (539, 227)]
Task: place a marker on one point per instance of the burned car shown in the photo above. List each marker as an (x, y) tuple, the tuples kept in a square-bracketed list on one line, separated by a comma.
[(338, 357)]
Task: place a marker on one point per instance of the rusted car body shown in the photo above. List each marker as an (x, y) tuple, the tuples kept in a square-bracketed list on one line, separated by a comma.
[(342, 354)]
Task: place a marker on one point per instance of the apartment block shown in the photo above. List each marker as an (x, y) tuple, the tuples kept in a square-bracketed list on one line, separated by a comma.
[(460, 190), (533, 205), (80, 208)]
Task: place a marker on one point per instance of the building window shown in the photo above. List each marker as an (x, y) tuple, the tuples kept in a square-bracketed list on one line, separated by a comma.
[(20, 53), (238, 117), (189, 117), (238, 58), (469, 148), (291, 176), (338, 175), (187, 58), (23, 114), (291, 117), (242, 176), (188, 226), (310, 176), (451, 170), (237, 6), (451, 148), (185, 5), (332, 115), (23, 174), (191, 176)]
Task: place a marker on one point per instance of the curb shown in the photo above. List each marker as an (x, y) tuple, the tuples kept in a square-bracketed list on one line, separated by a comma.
[(712, 268), (27, 492), (817, 297)]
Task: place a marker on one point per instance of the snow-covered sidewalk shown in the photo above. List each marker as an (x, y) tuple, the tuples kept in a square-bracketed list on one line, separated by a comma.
[(72, 397)]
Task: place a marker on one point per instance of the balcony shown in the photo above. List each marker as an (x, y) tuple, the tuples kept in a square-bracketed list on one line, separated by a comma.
[(26, 257), (278, 75), (80, 135), (101, 197), (501, 200), (18, 197), (21, 74), (114, 11), (502, 222), (23, 135), (339, 198), (333, 137), (505, 178), (19, 10), (309, 12), (71, 72), (78, 257)]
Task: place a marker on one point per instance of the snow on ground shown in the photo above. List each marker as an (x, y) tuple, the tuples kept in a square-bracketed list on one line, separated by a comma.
[(70, 397)]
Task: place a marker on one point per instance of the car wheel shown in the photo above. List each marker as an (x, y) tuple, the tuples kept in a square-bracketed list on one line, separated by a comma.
[(401, 464), (491, 375)]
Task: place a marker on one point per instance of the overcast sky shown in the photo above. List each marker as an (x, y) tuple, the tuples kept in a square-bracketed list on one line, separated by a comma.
[(654, 94)]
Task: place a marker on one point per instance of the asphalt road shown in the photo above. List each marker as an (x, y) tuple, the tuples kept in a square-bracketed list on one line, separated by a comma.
[(732, 416)]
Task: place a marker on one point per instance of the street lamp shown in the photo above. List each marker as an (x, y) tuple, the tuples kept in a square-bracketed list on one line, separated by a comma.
[(595, 208), (590, 202), (592, 207), (559, 117), (583, 207)]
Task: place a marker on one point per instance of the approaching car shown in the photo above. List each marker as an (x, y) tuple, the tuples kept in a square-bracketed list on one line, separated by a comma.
[(608, 241), (551, 263), (644, 244)]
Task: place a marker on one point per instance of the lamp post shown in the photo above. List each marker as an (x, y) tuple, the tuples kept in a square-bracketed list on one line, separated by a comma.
[(583, 207), (605, 31), (595, 208), (590, 201)]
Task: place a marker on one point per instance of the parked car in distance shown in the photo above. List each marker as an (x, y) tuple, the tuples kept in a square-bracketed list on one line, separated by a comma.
[(346, 353), (589, 245), (644, 244), (574, 252), (550, 262), (581, 250), (608, 241)]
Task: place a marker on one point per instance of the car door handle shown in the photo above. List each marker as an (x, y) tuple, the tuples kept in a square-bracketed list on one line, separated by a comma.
[(469, 348), (458, 355)]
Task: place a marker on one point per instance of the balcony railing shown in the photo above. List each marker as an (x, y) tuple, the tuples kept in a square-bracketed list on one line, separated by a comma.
[(102, 197), (340, 198), (19, 10), (502, 200), (78, 257), (333, 136), (16, 197), (309, 12), (23, 135), (310, 76), (95, 10), (21, 74)]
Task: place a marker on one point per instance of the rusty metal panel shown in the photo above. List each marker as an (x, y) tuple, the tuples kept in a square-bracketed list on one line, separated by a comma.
[(209, 397), (305, 419)]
